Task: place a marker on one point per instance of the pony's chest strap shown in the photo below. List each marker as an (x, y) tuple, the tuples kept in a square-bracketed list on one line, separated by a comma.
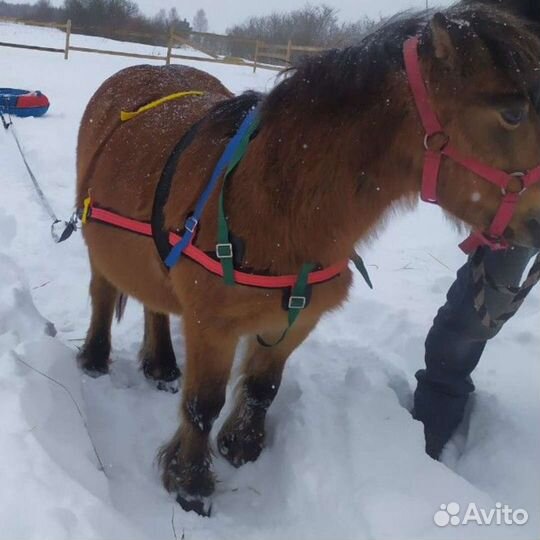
[(91, 212), (438, 146)]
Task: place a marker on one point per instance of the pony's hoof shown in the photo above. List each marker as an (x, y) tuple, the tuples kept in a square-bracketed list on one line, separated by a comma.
[(165, 386), (165, 380), (199, 505), (92, 368), (239, 448), (93, 364), (95, 371), (193, 481)]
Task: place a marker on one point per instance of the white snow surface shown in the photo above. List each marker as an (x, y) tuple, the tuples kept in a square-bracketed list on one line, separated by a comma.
[(344, 458), (56, 38)]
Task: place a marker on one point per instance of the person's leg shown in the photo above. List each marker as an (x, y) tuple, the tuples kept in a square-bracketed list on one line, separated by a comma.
[(455, 344)]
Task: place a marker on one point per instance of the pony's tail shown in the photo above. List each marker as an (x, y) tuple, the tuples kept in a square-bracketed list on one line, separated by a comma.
[(120, 307)]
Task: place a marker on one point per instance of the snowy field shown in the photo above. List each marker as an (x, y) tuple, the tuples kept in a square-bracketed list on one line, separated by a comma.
[(344, 458), (52, 37)]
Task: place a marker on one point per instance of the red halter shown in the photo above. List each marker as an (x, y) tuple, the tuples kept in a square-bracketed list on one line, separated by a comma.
[(433, 160)]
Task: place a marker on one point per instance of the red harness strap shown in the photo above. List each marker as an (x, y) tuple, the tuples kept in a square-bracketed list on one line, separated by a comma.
[(200, 257), (493, 237)]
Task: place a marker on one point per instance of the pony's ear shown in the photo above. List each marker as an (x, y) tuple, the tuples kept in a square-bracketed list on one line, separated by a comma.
[(442, 42)]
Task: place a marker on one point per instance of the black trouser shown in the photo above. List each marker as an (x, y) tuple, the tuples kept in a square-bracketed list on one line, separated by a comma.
[(455, 343)]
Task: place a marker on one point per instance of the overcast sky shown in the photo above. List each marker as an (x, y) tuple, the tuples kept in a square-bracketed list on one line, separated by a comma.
[(224, 13)]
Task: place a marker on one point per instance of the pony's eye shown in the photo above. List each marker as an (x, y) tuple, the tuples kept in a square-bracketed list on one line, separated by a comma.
[(513, 117)]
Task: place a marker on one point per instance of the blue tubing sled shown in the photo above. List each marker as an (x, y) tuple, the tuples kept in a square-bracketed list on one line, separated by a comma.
[(23, 103)]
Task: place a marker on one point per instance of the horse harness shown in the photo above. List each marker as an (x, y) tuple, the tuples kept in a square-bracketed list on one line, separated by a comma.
[(493, 237), (297, 288), (433, 156), (171, 246)]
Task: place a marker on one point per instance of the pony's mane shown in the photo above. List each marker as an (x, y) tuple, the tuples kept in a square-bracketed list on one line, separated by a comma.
[(528, 9), (228, 114), (356, 74)]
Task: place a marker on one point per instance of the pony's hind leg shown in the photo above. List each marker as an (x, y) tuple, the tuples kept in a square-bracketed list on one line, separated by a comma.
[(157, 356), (241, 438), (94, 355), (186, 459)]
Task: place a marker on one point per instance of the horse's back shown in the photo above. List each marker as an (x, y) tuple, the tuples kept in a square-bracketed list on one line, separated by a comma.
[(121, 161)]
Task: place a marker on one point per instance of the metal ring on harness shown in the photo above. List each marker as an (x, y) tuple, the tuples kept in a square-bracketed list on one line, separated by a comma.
[(521, 177), (430, 136)]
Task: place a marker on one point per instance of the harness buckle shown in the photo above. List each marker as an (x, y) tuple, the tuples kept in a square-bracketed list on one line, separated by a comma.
[(443, 138), (191, 224), (224, 251), (297, 302)]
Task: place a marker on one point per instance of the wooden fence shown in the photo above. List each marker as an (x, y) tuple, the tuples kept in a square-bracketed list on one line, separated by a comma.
[(264, 55)]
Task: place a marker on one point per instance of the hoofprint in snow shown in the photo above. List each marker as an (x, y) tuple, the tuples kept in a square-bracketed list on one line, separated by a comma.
[(344, 458)]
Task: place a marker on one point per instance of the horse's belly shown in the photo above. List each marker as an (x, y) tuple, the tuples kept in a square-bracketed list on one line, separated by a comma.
[(131, 263)]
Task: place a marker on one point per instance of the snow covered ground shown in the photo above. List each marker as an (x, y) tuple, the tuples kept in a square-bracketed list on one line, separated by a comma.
[(344, 457)]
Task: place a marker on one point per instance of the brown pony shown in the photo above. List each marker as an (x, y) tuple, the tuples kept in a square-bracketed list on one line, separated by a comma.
[(340, 144)]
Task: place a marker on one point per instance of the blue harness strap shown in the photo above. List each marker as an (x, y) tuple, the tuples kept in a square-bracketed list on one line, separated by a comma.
[(192, 221)]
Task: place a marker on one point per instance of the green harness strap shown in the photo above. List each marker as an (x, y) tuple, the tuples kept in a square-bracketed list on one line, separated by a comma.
[(298, 298), (361, 267), (224, 249), (296, 303)]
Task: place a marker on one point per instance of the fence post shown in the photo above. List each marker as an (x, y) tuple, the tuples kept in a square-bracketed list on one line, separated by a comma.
[(256, 56), (288, 57), (68, 36), (169, 47)]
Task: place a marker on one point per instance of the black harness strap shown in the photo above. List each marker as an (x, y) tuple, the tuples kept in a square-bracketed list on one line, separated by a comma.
[(235, 109), (163, 189)]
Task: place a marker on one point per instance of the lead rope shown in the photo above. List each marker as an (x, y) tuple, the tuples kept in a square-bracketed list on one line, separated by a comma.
[(481, 279), (60, 230)]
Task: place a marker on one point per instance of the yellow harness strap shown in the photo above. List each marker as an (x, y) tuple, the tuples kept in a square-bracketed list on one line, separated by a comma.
[(86, 208), (125, 115)]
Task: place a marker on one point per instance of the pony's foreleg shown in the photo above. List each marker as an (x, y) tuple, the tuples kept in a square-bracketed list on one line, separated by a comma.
[(241, 438), (157, 356), (94, 355), (186, 459)]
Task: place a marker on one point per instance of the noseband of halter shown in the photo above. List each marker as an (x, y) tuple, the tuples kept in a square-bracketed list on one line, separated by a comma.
[(437, 145)]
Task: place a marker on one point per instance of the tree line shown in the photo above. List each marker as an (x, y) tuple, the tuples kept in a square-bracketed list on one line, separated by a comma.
[(311, 25), (100, 17)]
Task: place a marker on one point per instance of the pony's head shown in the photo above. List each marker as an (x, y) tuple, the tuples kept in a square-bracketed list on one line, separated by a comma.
[(482, 68)]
